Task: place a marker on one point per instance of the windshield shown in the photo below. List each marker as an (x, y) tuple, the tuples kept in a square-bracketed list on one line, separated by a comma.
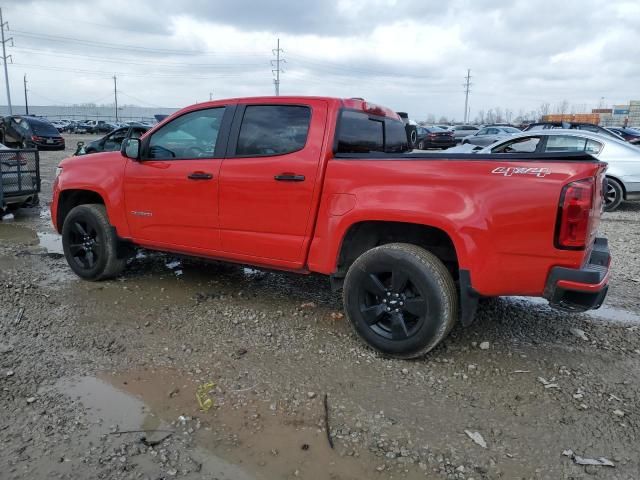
[(40, 128)]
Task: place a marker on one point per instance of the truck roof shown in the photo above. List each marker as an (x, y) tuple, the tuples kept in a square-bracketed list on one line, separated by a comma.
[(359, 104)]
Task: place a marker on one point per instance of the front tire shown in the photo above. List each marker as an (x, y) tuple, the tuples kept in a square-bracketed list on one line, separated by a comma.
[(614, 195), (90, 243), (400, 299)]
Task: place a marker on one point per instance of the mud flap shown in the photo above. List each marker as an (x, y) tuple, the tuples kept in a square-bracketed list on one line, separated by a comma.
[(469, 299)]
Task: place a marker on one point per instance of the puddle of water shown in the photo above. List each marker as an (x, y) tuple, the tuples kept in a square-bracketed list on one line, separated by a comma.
[(605, 314), (108, 407), (51, 242), (12, 233), (266, 442)]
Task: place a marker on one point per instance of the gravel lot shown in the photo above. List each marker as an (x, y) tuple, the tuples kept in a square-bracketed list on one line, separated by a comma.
[(80, 363)]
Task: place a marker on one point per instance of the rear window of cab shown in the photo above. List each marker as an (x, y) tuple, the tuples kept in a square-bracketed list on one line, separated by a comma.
[(359, 132)]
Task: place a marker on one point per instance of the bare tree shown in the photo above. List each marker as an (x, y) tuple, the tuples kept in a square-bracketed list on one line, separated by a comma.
[(499, 115), (491, 116), (431, 119), (544, 109), (508, 114), (562, 107), (480, 117), (443, 119)]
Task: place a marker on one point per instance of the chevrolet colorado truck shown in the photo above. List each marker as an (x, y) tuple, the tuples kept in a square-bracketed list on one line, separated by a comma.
[(326, 185)]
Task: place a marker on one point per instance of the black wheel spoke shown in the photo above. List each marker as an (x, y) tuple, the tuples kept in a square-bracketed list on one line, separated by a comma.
[(80, 229), (75, 249), (399, 279), (415, 306), (373, 285), (398, 327), (373, 314), (91, 259)]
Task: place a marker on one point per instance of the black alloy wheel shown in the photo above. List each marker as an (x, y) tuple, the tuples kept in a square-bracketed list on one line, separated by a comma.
[(400, 299), (392, 305), (84, 244), (90, 243)]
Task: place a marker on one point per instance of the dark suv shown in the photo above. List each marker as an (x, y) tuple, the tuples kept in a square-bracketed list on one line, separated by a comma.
[(30, 132)]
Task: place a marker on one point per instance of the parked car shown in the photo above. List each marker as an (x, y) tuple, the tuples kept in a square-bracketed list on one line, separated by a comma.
[(112, 141), (434, 137), (631, 135), (30, 132), (462, 131), (589, 127), (103, 127), (488, 135), (19, 178), (326, 185), (623, 172)]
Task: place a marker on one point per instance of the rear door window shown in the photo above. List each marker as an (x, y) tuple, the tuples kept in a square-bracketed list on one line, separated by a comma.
[(268, 130)]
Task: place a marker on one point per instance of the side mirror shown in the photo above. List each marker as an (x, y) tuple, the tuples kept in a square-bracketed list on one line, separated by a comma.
[(131, 148)]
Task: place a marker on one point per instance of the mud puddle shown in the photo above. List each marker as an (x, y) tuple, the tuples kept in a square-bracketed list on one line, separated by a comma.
[(119, 414), (604, 315), (254, 435)]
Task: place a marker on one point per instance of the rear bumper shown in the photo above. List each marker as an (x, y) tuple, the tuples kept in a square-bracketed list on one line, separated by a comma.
[(578, 290)]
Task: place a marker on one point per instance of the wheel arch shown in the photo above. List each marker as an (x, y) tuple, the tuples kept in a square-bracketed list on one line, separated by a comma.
[(71, 198), (367, 234)]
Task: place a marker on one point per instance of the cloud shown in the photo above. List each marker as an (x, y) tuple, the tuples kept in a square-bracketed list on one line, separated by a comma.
[(409, 54)]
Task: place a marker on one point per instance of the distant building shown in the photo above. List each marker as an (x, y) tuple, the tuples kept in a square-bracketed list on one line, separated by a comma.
[(619, 115)]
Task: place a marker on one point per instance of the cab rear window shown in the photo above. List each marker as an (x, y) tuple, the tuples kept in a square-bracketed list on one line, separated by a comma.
[(362, 133)]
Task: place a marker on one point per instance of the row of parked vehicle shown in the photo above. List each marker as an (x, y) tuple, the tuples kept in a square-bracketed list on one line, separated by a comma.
[(618, 146), (93, 126)]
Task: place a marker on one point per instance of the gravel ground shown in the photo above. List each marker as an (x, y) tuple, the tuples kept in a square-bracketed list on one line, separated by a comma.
[(82, 363)]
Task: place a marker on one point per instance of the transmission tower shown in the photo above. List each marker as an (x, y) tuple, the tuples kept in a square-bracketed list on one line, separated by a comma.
[(467, 86), (6, 57), (276, 65)]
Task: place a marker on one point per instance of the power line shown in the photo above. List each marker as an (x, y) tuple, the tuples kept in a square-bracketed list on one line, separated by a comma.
[(5, 57), (467, 86), (121, 46), (277, 51)]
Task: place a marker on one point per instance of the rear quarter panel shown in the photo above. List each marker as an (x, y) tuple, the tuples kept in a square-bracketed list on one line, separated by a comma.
[(502, 225)]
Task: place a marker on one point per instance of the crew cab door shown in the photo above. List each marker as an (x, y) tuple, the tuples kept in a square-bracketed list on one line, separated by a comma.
[(268, 178), (171, 193)]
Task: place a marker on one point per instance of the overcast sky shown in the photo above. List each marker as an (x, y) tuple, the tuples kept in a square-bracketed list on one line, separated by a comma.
[(411, 55)]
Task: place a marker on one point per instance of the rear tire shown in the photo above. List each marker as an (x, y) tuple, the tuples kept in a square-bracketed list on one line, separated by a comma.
[(614, 195), (400, 299), (90, 243)]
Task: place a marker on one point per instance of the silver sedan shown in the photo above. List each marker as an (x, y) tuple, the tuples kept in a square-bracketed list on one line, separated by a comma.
[(623, 173), (488, 135)]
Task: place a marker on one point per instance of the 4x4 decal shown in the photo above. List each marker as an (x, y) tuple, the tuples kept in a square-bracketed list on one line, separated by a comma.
[(510, 171)]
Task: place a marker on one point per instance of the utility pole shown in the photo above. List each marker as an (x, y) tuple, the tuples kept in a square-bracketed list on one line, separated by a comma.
[(6, 57), (26, 101), (467, 86), (277, 70), (115, 94)]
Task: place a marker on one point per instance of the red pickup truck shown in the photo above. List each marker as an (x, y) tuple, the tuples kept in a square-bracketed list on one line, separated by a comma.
[(314, 184)]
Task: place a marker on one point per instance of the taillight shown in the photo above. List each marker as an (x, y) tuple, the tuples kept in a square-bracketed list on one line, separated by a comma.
[(574, 215)]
